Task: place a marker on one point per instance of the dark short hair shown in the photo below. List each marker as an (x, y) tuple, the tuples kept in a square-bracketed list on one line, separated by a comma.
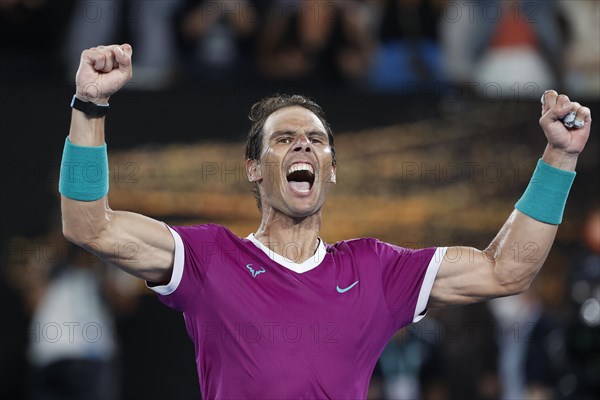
[(261, 110)]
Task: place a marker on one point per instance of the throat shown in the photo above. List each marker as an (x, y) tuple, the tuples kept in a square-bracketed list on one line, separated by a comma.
[(285, 254)]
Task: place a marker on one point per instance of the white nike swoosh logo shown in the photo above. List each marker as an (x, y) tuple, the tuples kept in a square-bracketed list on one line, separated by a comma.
[(344, 290)]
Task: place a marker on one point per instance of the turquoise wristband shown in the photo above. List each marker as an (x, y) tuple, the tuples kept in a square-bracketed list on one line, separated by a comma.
[(546, 196), (83, 172)]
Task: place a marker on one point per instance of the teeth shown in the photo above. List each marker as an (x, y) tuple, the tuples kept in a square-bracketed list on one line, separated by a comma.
[(301, 167)]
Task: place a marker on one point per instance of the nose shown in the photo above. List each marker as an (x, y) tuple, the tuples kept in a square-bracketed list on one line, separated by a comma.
[(302, 144)]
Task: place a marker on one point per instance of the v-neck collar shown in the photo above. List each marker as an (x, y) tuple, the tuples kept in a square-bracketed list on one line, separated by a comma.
[(306, 266)]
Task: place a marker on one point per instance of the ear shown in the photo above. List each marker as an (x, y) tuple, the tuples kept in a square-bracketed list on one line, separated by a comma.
[(333, 176), (253, 170)]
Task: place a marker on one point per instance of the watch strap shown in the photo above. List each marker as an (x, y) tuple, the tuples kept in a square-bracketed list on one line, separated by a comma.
[(88, 108)]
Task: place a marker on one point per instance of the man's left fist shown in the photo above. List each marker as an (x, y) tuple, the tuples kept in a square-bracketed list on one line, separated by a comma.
[(566, 123)]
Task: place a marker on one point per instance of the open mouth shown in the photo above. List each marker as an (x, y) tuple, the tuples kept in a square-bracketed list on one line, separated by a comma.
[(301, 177)]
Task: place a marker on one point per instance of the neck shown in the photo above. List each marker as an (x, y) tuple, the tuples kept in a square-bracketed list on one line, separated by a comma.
[(296, 239)]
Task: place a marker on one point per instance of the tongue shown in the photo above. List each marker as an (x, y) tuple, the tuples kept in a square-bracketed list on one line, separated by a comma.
[(300, 186)]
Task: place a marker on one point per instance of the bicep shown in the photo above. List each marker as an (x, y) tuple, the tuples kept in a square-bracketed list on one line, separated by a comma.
[(466, 275), (139, 245)]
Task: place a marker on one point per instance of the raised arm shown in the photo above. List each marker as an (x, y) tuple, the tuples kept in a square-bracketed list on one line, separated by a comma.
[(510, 263), (137, 244)]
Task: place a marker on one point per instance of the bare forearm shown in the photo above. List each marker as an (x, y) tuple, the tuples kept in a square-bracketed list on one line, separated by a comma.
[(522, 245), (86, 131), (559, 159), (83, 221), (519, 250)]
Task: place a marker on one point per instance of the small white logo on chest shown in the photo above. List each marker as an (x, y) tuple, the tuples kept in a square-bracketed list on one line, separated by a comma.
[(344, 290)]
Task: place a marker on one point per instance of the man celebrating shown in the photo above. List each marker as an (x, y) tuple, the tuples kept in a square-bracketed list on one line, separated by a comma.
[(265, 326)]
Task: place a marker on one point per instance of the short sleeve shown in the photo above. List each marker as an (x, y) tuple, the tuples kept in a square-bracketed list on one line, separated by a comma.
[(408, 277), (191, 260)]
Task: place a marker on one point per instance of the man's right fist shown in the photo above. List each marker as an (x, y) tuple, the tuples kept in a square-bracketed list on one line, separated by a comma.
[(103, 70)]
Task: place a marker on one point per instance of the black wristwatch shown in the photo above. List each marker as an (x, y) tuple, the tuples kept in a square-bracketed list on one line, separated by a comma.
[(89, 109)]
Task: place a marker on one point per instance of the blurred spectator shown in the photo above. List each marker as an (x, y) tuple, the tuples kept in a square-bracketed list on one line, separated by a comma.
[(376, 389), (531, 347), (400, 364), (512, 316), (218, 36), (409, 358), (516, 47), (146, 24), (469, 354), (316, 41), (582, 53), (456, 32), (584, 327), (408, 53), (13, 339), (72, 349)]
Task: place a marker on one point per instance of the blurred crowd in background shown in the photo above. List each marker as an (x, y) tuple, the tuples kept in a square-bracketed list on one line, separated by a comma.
[(544, 344), (500, 48)]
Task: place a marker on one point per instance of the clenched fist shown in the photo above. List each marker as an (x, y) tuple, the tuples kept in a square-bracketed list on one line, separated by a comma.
[(566, 123), (103, 70)]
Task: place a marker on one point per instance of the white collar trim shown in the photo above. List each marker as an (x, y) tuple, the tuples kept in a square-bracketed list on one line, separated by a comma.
[(306, 266)]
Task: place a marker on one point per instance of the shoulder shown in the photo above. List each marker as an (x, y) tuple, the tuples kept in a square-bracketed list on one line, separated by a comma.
[(207, 233), (365, 247), (358, 247), (368, 243), (198, 229), (352, 244)]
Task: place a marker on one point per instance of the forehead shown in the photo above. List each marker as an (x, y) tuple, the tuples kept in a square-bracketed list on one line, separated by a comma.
[(292, 119)]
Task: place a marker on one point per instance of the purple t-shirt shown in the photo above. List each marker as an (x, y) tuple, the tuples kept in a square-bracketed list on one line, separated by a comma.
[(261, 330)]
